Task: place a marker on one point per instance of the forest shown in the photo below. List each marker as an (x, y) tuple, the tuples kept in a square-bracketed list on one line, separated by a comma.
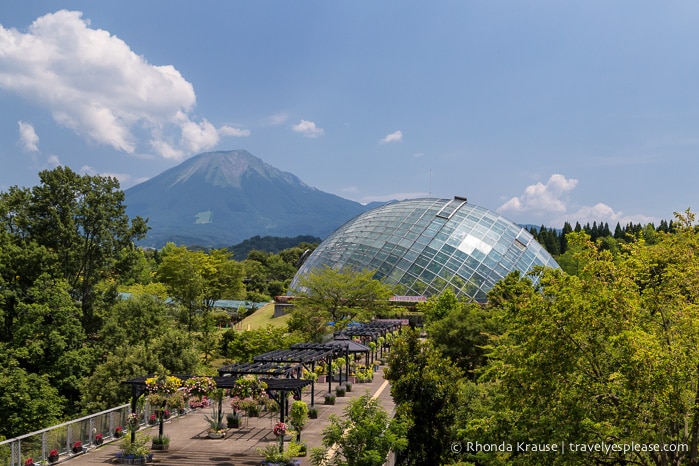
[(68, 339)]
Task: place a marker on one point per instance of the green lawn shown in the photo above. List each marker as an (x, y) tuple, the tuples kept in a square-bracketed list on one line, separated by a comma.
[(264, 317)]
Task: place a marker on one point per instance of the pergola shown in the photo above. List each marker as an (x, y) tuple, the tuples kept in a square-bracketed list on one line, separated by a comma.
[(282, 369)]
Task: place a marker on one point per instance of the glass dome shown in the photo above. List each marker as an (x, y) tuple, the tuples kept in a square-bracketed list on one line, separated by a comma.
[(429, 245)]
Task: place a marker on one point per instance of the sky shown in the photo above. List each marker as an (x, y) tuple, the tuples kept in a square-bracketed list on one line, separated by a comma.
[(544, 111)]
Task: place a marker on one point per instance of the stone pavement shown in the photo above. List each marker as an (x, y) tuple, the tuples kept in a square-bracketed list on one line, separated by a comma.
[(190, 446)]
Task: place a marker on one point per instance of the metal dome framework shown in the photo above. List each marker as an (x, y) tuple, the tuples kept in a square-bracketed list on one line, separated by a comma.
[(429, 245)]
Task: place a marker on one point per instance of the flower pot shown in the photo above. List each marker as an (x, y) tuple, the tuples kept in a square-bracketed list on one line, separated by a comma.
[(160, 446), (53, 459), (216, 435)]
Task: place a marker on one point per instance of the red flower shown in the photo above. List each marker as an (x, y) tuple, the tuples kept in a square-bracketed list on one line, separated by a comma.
[(53, 452), (29, 462)]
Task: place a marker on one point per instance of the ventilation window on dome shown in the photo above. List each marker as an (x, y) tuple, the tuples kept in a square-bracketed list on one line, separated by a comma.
[(448, 210)]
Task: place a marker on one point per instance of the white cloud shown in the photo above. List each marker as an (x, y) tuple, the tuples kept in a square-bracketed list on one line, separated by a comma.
[(54, 161), (28, 137), (231, 131), (277, 119), (308, 129), (396, 136), (121, 177), (602, 213), (548, 203), (197, 136), (93, 83), (542, 198)]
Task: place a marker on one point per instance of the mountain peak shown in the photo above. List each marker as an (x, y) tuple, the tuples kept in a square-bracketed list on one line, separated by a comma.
[(218, 199), (226, 169)]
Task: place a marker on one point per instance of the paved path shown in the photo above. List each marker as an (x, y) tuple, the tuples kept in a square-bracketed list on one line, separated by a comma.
[(190, 446)]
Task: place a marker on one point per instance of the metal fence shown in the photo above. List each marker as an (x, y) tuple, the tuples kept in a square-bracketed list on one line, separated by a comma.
[(37, 445)]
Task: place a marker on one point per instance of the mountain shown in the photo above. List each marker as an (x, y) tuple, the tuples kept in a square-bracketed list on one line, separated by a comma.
[(218, 199)]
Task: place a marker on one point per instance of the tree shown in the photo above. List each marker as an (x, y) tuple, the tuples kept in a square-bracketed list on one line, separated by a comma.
[(426, 388), (196, 279), (327, 295), (609, 355), (28, 402), (461, 331), (83, 219), (363, 436)]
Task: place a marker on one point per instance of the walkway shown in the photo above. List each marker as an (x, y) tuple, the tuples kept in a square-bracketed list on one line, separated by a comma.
[(190, 446)]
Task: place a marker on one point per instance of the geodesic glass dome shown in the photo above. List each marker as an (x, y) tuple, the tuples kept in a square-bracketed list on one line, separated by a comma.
[(429, 245)]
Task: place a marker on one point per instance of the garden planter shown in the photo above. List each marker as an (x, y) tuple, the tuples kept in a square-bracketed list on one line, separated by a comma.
[(53, 458), (216, 435)]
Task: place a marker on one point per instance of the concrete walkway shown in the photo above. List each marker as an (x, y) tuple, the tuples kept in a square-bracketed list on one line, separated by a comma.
[(190, 446)]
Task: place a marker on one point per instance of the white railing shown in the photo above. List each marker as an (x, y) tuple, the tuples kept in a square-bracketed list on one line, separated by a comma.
[(38, 445)]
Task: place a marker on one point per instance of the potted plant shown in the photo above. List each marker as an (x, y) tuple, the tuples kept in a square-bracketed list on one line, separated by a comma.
[(29, 462), (161, 443), (329, 399), (216, 427), (153, 420), (136, 452), (298, 416), (250, 406), (233, 420), (118, 432), (274, 457), (99, 439), (313, 412), (340, 390), (53, 456), (77, 447), (348, 386)]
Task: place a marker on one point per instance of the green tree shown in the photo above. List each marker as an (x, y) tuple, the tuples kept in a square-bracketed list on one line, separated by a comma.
[(327, 294), (28, 401), (196, 279), (463, 330), (426, 387), (363, 436), (103, 389), (243, 345), (83, 219), (609, 355)]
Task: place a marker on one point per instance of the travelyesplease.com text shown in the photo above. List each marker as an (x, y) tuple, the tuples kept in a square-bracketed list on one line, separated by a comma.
[(563, 447)]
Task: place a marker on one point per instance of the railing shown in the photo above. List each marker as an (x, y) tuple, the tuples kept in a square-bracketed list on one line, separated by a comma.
[(37, 445)]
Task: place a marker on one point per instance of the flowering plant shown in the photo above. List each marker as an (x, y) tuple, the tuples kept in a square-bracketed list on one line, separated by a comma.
[(119, 431), (29, 462), (53, 452), (203, 403), (248, 386), (163, 384), (279, 429), (153, 419), (77, 446), (98, 437), (132, 422), (200, 386)]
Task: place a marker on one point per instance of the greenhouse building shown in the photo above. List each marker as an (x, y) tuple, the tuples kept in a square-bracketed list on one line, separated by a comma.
[(429, 245)]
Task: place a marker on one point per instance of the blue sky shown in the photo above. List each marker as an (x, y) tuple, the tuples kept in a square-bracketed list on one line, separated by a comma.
[(545, 111)]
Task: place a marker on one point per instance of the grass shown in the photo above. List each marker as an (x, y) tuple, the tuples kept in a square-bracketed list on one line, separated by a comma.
[(263, 317)]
